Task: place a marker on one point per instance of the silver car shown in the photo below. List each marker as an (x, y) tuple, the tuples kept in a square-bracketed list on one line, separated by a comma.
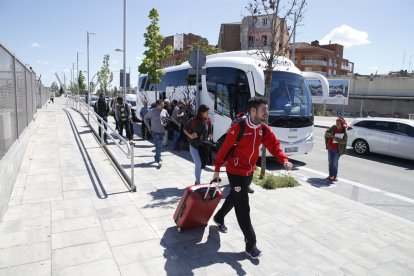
[(389, 136)]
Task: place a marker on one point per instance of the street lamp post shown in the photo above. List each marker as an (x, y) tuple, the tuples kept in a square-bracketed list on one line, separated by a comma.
[(87, 54), (124, 50), (77, 69)]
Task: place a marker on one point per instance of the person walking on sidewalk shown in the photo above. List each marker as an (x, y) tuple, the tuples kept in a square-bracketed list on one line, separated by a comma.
[(144, 110), (156, 123), (168, 108), (335, 141), (197, 130), (123, 116), (240, 165), (178, 116), (101, 108)]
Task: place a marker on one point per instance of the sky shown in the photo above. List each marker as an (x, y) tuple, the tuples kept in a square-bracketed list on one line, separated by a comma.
[(48, 34)]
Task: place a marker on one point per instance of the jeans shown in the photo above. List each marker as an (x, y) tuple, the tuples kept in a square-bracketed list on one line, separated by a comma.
[(239, 199), (197, 163), (333, 159), (127, 125), (105, 119), (165, 141), (158, 138), (176, 139)]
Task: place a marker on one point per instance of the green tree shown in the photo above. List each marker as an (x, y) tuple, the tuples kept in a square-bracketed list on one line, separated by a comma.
[(105, 76), (202, 45), (81, 82), (153, 56), (278, 13), (54, 87)]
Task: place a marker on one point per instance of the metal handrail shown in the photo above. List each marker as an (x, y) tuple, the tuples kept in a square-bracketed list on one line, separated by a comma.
[(77, 103)]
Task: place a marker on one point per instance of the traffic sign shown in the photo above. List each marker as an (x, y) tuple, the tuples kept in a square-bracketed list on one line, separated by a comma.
[(197, 58)]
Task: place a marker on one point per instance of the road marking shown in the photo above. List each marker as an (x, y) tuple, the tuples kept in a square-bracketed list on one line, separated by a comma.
[(366, 187)]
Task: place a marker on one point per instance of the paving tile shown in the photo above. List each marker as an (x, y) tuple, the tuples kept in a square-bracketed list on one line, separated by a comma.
[(68, 213), (21, 238), (392, 268), (74, 224), (125, 222), (134, 252), (26, 224), (71, 203), (77, 237), (105, 267), (24, 254), (81, 254), (154, 267), (130, 235), (42, 268), (27, 211)]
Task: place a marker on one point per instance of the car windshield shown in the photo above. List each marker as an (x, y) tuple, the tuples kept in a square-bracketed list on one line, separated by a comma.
[(290, 102)]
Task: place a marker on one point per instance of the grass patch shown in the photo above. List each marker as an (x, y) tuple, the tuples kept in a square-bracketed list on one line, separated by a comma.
[(271, 182)]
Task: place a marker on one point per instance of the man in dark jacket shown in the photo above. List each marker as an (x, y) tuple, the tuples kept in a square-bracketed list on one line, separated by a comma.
[(102, 109), (241, 164)]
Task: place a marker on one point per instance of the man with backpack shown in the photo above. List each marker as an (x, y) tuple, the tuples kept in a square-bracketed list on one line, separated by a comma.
[(240, 160), (102, 109), (123, 115)]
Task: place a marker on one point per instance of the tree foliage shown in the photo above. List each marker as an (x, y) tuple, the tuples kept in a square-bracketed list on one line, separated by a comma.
[(153, 56), (54, 87), (202, 45), (278, 13), (81, 82), (105, 76)]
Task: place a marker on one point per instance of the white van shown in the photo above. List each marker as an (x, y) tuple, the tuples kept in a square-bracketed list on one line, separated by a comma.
[(132, 100)]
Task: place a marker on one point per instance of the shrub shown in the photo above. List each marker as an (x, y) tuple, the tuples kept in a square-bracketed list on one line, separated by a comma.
[(271, 182)]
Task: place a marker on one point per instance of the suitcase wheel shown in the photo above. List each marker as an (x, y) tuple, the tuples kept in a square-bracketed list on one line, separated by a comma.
[(179, 230)]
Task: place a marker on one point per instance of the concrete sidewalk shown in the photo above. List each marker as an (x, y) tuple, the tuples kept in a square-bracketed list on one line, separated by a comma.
[(71, 214)]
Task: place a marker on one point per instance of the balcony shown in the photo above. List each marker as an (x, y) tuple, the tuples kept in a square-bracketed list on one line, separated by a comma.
[(346, 68), (314, 62)]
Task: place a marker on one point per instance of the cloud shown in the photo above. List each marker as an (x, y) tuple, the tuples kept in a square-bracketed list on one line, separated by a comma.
[(347, 36), (35, 44)]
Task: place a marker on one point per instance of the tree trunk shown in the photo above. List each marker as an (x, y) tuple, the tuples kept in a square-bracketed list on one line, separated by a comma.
[(268, 80)]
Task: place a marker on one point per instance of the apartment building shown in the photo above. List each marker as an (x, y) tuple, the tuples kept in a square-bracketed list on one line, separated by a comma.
[(323, 59)]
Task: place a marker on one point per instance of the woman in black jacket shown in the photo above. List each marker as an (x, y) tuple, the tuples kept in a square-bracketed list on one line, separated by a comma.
[(198, 129)]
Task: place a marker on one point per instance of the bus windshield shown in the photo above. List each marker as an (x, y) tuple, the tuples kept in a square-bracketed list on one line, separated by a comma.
[(290, 101)]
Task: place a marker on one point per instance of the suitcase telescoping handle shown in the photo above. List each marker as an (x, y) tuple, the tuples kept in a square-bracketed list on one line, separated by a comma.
[(217, 182)]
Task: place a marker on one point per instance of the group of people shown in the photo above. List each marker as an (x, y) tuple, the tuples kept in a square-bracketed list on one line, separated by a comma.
[(122, 114), (239, 157)]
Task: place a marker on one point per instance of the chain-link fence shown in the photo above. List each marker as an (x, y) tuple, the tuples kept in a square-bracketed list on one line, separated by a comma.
[(20, 96)]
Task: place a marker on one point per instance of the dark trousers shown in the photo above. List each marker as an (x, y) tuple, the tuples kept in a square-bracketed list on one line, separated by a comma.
[(127, 125), (144, 130), (239, 199), (105, 119)]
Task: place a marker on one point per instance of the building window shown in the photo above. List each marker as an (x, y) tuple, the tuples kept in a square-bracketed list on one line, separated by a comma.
[(264, 21), (264, 40)]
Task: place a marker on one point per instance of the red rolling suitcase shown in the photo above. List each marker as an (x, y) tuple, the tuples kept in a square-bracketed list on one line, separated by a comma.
[(197, 205)]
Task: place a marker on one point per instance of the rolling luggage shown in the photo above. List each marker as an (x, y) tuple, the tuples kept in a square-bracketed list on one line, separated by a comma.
[(197, 205)]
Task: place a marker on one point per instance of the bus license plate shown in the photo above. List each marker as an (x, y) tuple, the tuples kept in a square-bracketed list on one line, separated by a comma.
[(293, 149)]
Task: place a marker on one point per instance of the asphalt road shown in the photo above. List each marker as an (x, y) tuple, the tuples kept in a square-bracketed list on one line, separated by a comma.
[(379, 181)]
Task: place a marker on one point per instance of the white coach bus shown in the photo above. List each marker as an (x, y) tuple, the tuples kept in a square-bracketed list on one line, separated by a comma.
[(229, 80)]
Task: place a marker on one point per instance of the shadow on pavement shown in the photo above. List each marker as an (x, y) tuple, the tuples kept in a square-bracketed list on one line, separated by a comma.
[(389, 160), (319, 182), (184, 253)]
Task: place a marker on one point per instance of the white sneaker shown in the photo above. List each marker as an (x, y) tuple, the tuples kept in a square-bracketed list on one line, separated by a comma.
[(121, 142)]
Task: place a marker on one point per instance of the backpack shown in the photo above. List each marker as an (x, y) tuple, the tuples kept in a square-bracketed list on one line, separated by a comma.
[(242, 124)]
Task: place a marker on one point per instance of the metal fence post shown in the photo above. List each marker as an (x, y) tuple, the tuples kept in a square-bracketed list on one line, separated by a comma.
[(15, 95), (133, 187)]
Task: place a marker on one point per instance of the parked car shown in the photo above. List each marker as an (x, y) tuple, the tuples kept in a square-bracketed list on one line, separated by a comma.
[(93, 100), (389, 136)]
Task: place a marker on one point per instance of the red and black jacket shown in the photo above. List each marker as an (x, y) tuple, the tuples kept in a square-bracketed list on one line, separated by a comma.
[(245, 155)]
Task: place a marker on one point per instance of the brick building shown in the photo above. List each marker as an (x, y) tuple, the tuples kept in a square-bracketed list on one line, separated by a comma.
[(229, 37), (180, 43), (326, 60)]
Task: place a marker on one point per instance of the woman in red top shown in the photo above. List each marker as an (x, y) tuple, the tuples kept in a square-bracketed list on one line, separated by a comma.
[(335, 141)]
